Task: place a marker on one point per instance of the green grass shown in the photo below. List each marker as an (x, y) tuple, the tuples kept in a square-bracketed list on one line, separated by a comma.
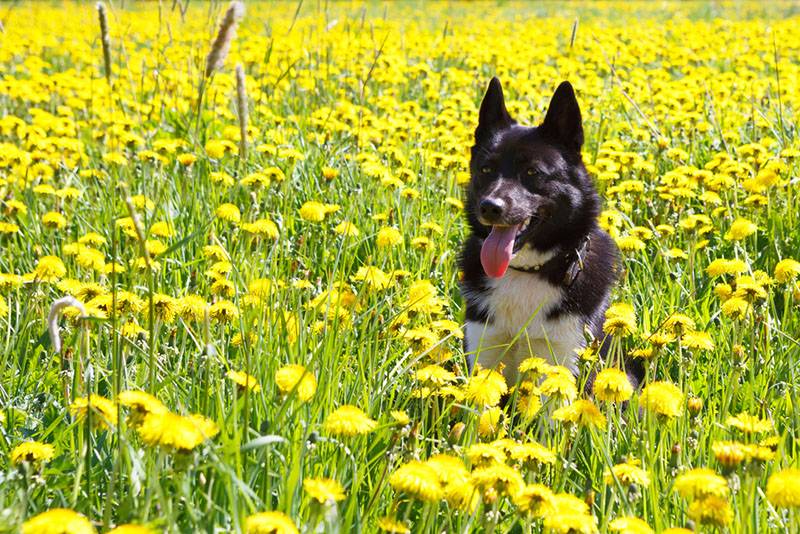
[(375, 97)]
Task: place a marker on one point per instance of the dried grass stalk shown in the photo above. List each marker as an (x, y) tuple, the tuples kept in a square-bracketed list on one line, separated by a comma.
[(226, 34), (241, 106), (104, 37)]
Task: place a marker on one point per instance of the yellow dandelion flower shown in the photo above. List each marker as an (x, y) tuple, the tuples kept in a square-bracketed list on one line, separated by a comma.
[(186, 159), (15, 208), (749, 289), (630, 244), (269, 523), (58, 521), (700, 482), (324, 490), (499, 477), (787, 270), (490, 423), (261, 228), (313, 211), (749, 424), (347, 228), (170, 430), (740, 229), (162, 229), (483, 453), (33, 452), (783, 488), (243, 380), (533, 453), (192, 307), (434, 375), (736, 308), (534, 500), (104, 411), (612, 385), (418, 480), (373, 277), (393, 526), (581, 412), (630, 525), (8, 228), (697, 340), (141, 404), (423, 297), (730, 453), (400, 417), (388, 237), (228, 212), (329, 173), (49, 269), (711, 510), (296, 378), (486, 388), (620, 319), (54, 220), (223, 311), (131, 529), (569, 515), (454, 202), (722, 266), (678, 322), (348, 420), (534, 367), (627, 473), (662, 398), (560, 386)]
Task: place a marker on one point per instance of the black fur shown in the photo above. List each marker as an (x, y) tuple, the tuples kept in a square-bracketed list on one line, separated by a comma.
[(538, 172)]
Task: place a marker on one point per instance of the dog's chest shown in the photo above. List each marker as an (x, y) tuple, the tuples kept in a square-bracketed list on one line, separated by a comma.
[(519, 301)]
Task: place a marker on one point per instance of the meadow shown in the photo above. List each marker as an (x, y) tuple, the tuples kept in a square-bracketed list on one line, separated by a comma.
[(229, 287)]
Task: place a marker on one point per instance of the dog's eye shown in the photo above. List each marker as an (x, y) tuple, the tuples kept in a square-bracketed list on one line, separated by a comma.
[(486, 169)]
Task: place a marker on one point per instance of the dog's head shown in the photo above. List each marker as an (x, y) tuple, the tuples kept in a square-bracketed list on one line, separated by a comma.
[(529, 184)]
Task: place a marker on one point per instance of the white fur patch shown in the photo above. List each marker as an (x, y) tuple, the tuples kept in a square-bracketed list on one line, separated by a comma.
[(518, 304), (528, 257)]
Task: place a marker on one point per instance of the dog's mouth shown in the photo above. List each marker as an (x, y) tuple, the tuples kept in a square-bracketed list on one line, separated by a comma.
[(501, 244)]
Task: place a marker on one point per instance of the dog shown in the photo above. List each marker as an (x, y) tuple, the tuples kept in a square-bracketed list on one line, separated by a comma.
[(537, 268)]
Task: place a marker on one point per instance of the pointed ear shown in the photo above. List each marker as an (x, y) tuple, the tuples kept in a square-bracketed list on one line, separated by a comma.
[(493, 115), (562, 124)]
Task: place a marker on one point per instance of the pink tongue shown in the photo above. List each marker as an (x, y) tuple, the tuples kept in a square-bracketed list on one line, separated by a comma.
[(497, 250)]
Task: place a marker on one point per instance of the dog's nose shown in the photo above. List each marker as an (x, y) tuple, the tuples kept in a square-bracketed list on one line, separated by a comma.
[(491, 209)]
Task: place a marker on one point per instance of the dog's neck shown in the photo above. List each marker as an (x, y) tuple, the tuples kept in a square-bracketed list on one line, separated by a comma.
[(531, 259), (562, 264)]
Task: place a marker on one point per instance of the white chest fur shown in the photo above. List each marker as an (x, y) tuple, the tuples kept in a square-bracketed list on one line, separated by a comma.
[(518, 306)]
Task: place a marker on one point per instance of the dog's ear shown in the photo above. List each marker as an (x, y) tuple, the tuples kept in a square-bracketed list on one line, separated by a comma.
[(493, 115), (562, 124)]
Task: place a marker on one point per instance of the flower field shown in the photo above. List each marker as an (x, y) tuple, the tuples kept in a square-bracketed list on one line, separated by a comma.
[(229, 293)]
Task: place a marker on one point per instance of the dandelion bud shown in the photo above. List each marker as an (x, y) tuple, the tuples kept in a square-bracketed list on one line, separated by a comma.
[(695, 404), (738, 352), (455, 433)]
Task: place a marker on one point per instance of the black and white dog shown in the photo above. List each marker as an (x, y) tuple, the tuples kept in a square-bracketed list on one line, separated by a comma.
[(537, 269)]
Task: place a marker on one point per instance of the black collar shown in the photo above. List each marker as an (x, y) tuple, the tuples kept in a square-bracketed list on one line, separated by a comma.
[(573, 259)]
